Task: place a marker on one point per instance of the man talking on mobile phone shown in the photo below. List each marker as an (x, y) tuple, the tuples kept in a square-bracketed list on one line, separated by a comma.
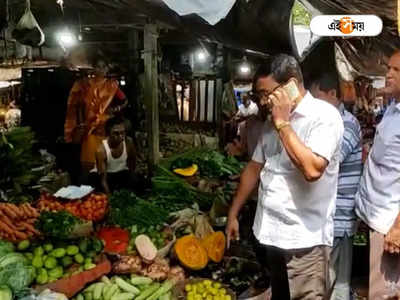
[(296, 162)]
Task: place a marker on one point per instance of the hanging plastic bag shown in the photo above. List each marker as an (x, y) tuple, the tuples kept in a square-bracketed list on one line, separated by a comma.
[(28, 31)]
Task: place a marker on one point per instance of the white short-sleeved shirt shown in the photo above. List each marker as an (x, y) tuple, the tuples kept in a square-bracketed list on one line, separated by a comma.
[(378, 196), (291, 212), (244, 111)]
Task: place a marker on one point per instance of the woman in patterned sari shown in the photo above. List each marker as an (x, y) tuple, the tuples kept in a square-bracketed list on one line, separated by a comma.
[(90, 104)]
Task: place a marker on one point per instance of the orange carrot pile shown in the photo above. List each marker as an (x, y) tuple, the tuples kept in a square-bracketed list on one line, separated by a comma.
[(17, 221), (91, 208)]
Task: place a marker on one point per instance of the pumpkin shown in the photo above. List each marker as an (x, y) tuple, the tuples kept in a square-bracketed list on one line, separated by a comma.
[(215, 246), (190, 253), (187, 172)]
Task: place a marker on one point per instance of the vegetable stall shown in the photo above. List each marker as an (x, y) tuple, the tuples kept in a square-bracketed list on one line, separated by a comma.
[(166, 244)]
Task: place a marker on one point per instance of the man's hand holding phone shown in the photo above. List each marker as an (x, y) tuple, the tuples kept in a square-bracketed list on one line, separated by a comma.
[(281, 106)]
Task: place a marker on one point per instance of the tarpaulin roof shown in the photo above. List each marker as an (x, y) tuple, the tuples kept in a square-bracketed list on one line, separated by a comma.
[(251, 24)]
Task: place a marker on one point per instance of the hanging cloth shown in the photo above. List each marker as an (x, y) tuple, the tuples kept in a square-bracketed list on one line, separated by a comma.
[(28, 31)]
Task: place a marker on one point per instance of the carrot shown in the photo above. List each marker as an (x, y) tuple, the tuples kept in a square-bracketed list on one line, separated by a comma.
[(15, 209), (4, 227), (8, 222), (8, 212), (35, 213), (25, 212), (20, 235), (27, 209), (29, 227), (13, 238)]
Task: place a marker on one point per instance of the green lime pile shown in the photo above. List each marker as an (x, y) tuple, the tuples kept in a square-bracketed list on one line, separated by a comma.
[(53, 261)]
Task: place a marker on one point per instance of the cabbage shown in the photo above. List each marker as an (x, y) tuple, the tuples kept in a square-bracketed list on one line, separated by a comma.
[(17, 276), (5, 248)]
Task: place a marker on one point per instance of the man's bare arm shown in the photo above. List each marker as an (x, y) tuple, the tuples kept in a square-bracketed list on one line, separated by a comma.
[(248, 182), (101, 163)]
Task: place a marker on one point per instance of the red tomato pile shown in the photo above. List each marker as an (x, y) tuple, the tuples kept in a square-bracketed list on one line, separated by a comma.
[(91, 208)]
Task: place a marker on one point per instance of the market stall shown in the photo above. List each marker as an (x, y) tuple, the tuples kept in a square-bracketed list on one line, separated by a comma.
[(168, 243)]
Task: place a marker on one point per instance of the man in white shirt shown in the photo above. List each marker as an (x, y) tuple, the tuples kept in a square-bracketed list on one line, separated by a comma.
[(247, 108), (378, 196), (297, 163)]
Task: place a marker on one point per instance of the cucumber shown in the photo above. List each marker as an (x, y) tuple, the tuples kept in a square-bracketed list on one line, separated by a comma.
[(90, 288), (126, 286), (149, 291), (88, 295), (123, 296), (111, 291), (138, 280), (165, 288), (98, 290), (106, 288), (166, 296), (105, 279)]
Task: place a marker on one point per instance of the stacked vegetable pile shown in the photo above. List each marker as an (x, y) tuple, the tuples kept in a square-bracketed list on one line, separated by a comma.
[(146, 245), (211, 164), (158, 235), (173, 193), (126, 210), (17, 222), (17, 159), (15, 271), (206, 290), (117, 288), (91, 208), (195, 254), (59, 224), (53, 261)]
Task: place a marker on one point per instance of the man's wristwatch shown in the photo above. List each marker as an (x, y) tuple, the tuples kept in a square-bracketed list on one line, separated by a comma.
[(280, 125)]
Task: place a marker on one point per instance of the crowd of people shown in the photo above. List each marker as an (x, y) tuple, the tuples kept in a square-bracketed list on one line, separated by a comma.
[(310, 186), (313, 187)]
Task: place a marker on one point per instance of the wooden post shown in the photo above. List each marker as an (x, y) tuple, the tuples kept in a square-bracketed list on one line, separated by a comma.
[(219, 91), (151, 92), (133, 81), (134, 51)]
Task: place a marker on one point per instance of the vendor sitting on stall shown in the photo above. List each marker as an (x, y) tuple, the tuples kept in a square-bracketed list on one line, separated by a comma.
[(115, 159)]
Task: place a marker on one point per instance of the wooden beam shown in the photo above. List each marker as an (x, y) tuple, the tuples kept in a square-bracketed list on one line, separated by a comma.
[(151, 92)]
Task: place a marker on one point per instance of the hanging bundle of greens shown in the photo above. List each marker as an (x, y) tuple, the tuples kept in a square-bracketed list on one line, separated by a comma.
[(16, 162)]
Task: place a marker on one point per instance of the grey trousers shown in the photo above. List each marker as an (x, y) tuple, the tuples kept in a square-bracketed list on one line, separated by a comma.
[(300, 274), (340, 267), (384, 276)]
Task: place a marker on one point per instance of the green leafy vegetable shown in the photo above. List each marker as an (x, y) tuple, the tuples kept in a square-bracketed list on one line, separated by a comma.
[(211, 163), (17, 158), (173, 193), (18, 276), (57, 224), (5, 248), (127, 210)]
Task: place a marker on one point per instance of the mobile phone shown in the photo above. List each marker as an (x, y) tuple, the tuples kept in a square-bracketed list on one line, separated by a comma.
[(292, 90)]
